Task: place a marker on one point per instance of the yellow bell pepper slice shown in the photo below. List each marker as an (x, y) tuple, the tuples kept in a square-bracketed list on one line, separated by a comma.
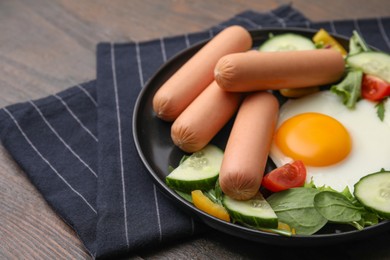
[(298, 92), (286, 227), (203, 203), (323, 37)]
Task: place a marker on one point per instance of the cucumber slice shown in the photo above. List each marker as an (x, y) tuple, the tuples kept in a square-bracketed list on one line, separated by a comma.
[(372, 62), (287, 42), (255, 212), (373, 191), (198, 172)]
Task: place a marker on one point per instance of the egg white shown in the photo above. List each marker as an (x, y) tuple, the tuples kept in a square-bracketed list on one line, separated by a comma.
[(370, 139)]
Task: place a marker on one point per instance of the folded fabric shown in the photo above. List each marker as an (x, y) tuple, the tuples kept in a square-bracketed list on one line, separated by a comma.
[(77, 146)]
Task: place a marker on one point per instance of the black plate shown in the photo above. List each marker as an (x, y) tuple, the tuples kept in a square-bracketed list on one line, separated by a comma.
[(157, 151)]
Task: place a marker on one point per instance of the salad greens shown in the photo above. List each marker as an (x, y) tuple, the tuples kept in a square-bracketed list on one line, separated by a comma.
[(305, 210), (380, 109), (295, 207), (336, 207), (357, 44), (349, 88), (309, 208)]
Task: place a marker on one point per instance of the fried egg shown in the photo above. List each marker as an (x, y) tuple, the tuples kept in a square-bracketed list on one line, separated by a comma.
[(338, 145)]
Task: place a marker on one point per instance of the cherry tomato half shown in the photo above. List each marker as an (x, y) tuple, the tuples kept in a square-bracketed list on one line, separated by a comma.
[(374, 88), (287, 176)]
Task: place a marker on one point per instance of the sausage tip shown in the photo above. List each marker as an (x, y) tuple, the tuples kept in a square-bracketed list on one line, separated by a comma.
[(223, 71), (238, 185), (184, 138), (163, 109)]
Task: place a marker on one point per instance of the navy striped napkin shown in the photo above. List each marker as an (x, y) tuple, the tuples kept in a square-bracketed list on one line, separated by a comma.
[(77, 148)]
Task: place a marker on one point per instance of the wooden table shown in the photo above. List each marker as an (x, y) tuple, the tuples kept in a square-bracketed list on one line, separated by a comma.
[(48, 45)]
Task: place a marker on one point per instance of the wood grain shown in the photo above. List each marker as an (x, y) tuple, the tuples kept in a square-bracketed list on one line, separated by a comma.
[(48, 45)]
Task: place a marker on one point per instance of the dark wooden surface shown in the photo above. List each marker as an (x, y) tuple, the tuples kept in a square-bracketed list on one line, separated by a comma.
[(48, 45)]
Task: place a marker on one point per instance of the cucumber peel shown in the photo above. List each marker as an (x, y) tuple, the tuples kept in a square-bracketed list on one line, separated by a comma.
[(199, 171), (255, 212), (374, 63), (373, 192)]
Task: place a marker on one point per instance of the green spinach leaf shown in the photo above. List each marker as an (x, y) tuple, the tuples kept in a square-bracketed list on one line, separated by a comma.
[(185, 196), (369, 219), (295, 207), (380, 109), (336, 207)]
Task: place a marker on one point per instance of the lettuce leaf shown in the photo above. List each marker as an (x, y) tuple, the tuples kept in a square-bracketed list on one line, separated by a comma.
[(357, 44), (349, 89)]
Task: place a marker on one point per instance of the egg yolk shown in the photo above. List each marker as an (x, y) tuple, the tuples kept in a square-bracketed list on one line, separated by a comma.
[(314, 138)]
